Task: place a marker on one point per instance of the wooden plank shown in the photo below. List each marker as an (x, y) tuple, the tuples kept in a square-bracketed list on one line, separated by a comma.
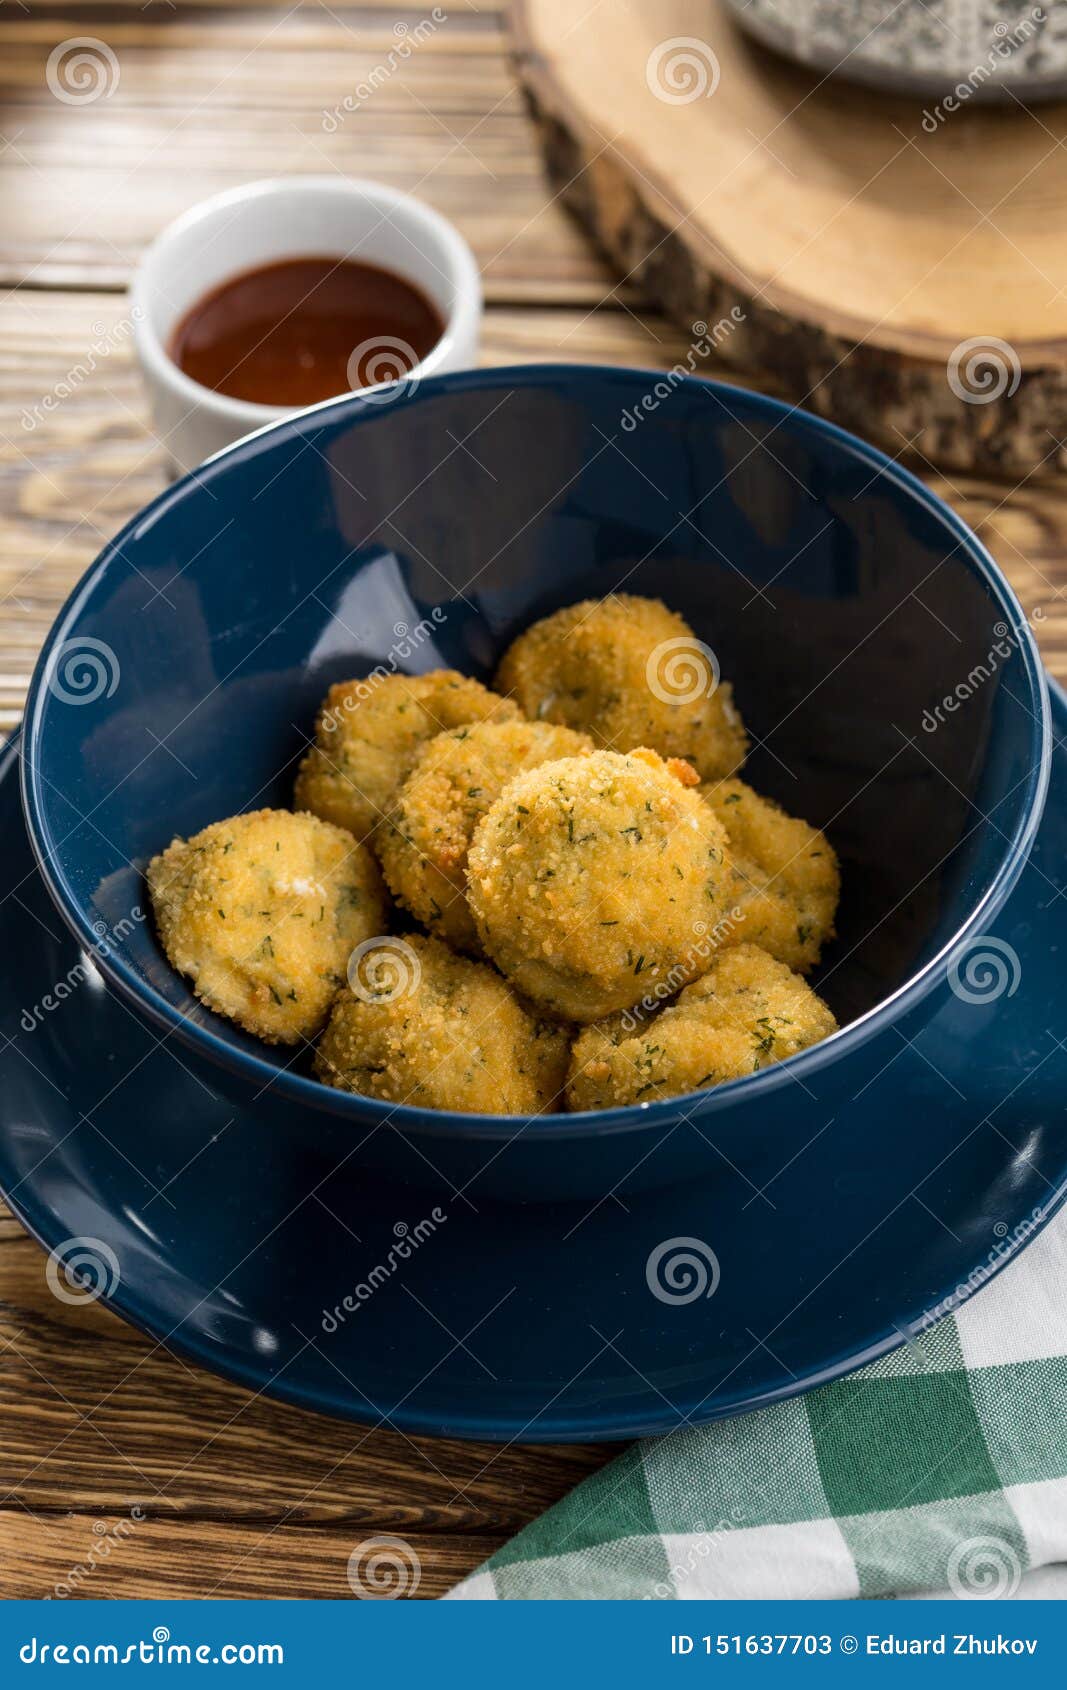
[(100, 1556), (207, 102)]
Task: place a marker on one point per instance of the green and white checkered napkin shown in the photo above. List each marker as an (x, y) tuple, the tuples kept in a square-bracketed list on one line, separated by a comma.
[(942, 1468)]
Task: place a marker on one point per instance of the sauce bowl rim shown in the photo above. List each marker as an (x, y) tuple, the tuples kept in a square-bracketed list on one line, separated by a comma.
[(459, 320)]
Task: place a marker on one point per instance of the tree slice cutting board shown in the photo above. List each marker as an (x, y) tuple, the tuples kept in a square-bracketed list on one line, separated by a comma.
[(900, 267)]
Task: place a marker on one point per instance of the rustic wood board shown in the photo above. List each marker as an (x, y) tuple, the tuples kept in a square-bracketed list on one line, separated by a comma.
[(242, 1496), (858, 248)]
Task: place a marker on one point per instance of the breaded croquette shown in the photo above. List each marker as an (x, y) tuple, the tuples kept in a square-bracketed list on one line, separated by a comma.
[(593, 878), (454, 780), (262, 911), (786, 878), (445, 1033), (747, 1012), (630, 672), (369, 733)]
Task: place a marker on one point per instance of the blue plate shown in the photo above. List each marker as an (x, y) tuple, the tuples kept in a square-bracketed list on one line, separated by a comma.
[(537, 1323)]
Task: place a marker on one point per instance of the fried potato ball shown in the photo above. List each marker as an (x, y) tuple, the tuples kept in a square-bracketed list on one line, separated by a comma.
[(369, 733), (593, 878), (262, 912), (747, 1012), (423, 1026), (631, 673), (455, 779), (786, 877)]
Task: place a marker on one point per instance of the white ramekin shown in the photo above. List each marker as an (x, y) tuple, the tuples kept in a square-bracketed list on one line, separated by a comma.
[(261, 223)]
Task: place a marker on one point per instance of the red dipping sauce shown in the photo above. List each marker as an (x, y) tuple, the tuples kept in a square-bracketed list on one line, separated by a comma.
[(305, 329)]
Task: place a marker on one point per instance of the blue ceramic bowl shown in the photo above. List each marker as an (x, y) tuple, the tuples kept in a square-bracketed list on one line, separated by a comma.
[(881, 662)]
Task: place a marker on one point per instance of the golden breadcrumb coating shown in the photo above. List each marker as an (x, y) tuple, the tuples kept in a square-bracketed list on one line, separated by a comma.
[(261, 912), (455, 779), (747, 1012), (443, 1033), (369, 733), (630, 672), (786, 878), (593, 878)]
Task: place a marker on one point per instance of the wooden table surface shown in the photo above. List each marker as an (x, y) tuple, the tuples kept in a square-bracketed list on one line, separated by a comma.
[(236, 1495)]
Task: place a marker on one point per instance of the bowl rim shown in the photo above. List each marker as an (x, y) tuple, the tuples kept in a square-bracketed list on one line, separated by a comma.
[(261, 1074)]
